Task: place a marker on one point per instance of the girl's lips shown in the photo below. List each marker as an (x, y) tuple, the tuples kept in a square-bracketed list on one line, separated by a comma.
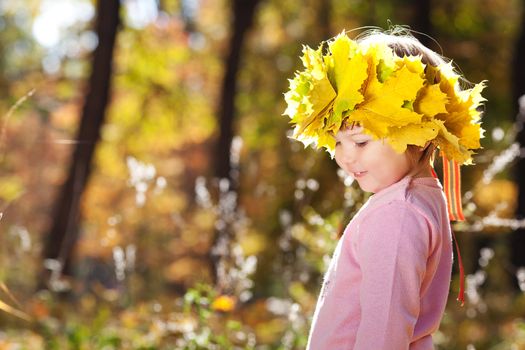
[(359, 174)]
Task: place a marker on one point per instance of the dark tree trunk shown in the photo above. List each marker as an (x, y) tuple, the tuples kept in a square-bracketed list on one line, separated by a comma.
[(517, 245), (62, 237), (372, 15), (187, 11), (421, 22), (161, 5), (325, 14), (243, 14), (518, 66)]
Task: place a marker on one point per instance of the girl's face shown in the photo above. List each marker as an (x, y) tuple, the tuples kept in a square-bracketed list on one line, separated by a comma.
[(373, 163)]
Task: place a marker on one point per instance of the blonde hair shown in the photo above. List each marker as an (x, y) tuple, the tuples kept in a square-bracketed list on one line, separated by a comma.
[(403, 42)]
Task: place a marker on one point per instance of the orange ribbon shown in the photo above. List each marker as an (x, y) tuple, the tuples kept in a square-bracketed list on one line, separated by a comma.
[(452, 188)]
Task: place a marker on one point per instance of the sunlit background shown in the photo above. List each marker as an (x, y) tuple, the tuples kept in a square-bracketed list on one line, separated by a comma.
[(180, 242)]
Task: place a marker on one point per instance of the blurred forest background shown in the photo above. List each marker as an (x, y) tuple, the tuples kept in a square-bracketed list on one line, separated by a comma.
[(151, 199)]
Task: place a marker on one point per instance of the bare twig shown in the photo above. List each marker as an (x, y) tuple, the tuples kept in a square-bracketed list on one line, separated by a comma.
[(8, 115), (11, 310), (9, 294)]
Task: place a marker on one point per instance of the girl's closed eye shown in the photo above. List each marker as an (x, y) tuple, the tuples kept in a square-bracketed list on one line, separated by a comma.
[(361, 144)]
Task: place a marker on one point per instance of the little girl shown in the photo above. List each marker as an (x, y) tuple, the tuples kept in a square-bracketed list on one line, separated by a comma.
[(382, 104)]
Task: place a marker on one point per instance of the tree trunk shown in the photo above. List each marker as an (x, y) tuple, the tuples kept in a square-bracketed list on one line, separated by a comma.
[(243, 14), (517, 245), (372, 13), (421, 22), (188, 12), (518, 66), (62, 237), (325, 14)]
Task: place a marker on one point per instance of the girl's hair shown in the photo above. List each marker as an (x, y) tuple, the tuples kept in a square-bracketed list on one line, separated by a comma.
[(402, 41), (420, 157)]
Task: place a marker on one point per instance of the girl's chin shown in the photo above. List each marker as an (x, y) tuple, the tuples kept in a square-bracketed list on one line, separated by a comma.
[(369, 186), (366, 187)]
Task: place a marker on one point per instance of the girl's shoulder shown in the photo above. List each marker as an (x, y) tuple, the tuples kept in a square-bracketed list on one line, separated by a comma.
[(395, 208), (422, 197)]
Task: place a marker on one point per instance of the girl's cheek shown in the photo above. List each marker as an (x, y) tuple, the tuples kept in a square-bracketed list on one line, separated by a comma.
[(337, 158)]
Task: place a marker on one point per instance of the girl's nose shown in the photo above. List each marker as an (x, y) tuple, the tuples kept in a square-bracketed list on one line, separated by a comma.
[(347, 155)]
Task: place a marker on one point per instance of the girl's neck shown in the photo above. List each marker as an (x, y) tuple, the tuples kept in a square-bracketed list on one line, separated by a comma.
[(423, 172)]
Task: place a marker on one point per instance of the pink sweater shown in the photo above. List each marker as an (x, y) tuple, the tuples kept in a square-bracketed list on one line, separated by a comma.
[(389, 278)]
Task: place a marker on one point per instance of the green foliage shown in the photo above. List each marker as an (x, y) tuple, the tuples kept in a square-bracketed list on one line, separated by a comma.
[(11, 188)]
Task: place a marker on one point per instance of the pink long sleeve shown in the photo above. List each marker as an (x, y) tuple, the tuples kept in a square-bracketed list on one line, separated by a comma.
[(393, 270), (389, 277)]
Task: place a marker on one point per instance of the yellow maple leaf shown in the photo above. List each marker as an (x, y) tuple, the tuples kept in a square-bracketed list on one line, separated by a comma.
[(447, 75), (463, 114), (383, 105), (449, 144), (297, 99), (459, 154), (312, 126), (412, 134), (431, 101), (332, 123), (381, 59), (313, 61), (306, 103), (349, 71), (474, 100), (445, 134), (412, 63), (456, 119), (447, 78), (470, 136), (327, 140)]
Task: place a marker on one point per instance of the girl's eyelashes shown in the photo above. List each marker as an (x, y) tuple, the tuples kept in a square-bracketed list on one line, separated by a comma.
[(358, 144)]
